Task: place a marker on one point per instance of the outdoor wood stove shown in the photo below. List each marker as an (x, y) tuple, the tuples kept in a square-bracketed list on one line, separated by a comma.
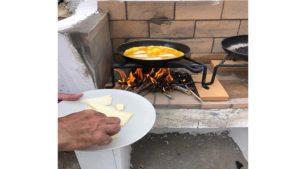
[(181, 62), (238, 53)]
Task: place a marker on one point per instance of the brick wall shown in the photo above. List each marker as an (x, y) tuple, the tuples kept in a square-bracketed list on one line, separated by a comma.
[(200, 25)]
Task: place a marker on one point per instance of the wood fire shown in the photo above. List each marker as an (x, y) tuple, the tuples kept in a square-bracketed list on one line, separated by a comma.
[(154, 80), (138, 77)]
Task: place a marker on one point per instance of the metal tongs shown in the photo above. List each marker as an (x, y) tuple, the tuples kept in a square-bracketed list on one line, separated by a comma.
[(182, 89), (193, 93)]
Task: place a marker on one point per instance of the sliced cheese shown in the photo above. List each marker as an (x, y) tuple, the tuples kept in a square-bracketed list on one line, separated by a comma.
[(114, 136), (119, 107), (104, 100), (111, 112)]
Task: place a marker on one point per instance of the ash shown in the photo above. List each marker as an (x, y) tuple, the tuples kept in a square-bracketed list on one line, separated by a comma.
[(237, 46)]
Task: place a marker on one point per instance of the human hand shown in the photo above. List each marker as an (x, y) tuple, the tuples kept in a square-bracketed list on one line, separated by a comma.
[(69, 97), (86, 128)]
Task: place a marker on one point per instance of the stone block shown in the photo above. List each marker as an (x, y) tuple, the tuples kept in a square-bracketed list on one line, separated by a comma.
[(129, 29), (215, 105), (201, 45), (177, 118), (181, 100), (150, 97), (235, 9), (161, 100), (116, 9), (116, 43), (220, 28), (215, 118), (207, 57), (229, 70), (217, 47), (172, 29), (238, 118), (118, 58), (198, 10), (92, 41), (240, 103), (150, 10), (243, 27)]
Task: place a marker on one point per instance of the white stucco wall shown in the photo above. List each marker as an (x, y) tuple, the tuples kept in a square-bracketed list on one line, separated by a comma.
[(72, 73), (73, 77), (74, 4)]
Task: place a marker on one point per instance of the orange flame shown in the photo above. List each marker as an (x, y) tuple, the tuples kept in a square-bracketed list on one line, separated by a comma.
[(152, 80), (151, 72), (169, 77), (153, 76), (130, 80), (149, 77), (122, 75), (139, 73), (160, 73)]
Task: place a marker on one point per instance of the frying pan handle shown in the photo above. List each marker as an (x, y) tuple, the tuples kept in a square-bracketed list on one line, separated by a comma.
[(194, 67)]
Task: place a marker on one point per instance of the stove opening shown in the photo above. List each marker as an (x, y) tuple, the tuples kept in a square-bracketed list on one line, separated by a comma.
[(164, 80)]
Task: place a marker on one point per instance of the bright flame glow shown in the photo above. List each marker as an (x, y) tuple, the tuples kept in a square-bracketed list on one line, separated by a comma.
[(153, 76), (139, 73), (130, 80)]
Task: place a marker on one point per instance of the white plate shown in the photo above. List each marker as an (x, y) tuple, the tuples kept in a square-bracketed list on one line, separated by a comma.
[(138, 126)]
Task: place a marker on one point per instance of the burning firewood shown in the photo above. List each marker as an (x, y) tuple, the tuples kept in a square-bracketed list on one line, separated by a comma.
[(130, 80), (143, 86), (154, 80)]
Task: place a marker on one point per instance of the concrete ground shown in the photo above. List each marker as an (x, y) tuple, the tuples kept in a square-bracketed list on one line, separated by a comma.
[(67, 160), (178, 151), (185, 151)]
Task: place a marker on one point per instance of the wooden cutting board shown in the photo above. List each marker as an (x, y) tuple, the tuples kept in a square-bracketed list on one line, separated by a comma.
[(216, 91)]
